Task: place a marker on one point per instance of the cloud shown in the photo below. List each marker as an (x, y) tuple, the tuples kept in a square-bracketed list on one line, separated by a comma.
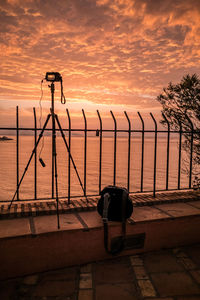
[(108, 51)]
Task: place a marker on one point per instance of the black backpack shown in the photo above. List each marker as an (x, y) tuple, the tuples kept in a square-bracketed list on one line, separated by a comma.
[(114, 205)]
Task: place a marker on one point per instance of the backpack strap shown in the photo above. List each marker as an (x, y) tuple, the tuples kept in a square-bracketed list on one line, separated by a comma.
[(106, 202), (120, 246)]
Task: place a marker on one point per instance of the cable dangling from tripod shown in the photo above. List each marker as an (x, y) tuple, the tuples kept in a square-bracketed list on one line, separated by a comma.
[(40, 121), (63, 100)]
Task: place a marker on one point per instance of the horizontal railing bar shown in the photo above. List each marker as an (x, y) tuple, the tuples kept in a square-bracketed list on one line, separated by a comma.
[(97, 195), (103, 130)]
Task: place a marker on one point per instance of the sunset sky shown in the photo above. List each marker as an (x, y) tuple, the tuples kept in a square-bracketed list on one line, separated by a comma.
[(112, 54)]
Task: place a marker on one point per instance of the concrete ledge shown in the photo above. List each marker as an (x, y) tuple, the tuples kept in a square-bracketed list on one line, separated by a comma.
[(44, 207), (34, 244)]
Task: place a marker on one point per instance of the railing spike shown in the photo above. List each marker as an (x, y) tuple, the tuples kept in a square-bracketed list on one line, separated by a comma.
[(155, 155), (85, 152), (100, 150), (168, 144), (129, 149), (69, 160), (115, 146), (142, 154)]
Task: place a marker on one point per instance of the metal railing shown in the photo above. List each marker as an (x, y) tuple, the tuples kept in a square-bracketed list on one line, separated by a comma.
[(99, 132)]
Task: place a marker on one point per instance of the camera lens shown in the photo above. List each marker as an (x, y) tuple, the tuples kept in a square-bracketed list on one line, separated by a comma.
[(51, 77)]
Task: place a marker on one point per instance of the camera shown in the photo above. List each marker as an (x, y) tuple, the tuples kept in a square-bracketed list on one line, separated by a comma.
[(53, 76)]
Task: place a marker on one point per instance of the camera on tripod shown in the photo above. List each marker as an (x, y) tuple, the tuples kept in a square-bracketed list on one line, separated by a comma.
[(53, 76)]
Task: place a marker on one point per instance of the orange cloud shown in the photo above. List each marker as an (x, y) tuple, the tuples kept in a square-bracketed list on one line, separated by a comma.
[(110, 52)]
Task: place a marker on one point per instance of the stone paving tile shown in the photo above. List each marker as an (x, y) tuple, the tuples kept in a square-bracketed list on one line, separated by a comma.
[(148, 213), (174, 284), (23, 291), (179, 253), (136, 260), (54, 288), (21, 227), (86, 268), (161, 261), (113, 271), (69, 273), (146, 288), (140, 272), (195, 203), (187, 263), (178, 209), (85, 281), (8, 289), (85, 295), (49, 223), (60, 284), (117, 291), (31, 280), (196, 275), (193, 252)]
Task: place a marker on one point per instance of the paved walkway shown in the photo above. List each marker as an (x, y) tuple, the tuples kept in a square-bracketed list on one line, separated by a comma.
[(172, 274)]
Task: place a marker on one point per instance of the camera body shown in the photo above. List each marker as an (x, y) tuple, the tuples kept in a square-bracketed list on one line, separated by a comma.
[(53, 76)]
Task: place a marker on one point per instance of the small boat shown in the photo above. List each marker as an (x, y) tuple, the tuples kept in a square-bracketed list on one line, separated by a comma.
[(5, 138)]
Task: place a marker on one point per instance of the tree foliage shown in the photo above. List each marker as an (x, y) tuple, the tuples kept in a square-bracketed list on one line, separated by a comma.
[(181, 106)]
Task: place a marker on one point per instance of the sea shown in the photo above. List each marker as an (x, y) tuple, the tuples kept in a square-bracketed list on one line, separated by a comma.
[(44, 174)]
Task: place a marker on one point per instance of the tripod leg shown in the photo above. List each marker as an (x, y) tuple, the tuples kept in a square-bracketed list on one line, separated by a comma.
[(55, 170), (26, 168), (63, 136)]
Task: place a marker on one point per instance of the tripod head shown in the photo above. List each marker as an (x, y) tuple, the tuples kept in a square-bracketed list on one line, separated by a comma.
[(55, 77)]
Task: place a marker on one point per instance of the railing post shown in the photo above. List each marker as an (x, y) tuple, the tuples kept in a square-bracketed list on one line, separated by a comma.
[(142, 154), (129, 149), (100, 150), (179, 156), (35, 164), (69, 160), (155, 155), (17, 148), (85, 151), (168, 140), (191, 150), (115, 146)]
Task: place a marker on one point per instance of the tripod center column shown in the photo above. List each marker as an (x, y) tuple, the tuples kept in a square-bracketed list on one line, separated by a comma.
[(52, 97), (52, 86)]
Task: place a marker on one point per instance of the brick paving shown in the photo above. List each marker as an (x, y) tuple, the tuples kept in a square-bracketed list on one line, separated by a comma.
[(171, 274), (45, 207)]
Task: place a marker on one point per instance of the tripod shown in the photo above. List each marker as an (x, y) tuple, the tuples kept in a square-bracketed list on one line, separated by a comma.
[(54, 153)]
